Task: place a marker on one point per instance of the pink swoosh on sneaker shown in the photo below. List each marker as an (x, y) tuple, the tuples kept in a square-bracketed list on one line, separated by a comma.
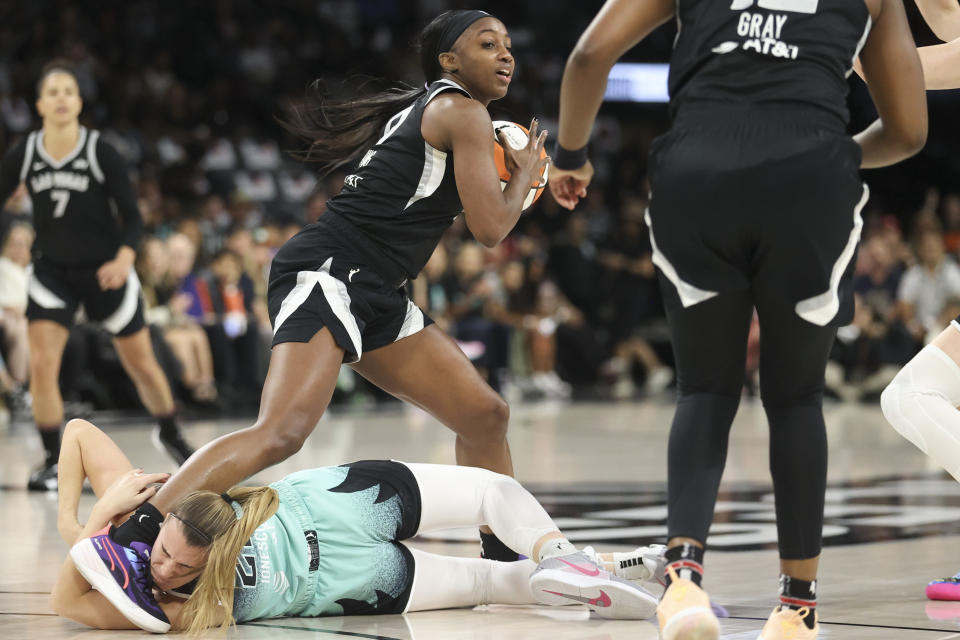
[(584, 570)]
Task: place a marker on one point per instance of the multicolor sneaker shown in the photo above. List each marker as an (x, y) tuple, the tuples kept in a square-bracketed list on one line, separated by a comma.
[(944, 589), (122, 575), (576, 578), (788, 624), (685, 612)]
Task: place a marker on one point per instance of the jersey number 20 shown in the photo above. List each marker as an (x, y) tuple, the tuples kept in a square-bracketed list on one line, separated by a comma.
[(796, 6)]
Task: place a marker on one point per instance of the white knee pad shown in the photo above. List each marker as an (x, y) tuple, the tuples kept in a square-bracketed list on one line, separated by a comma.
[(921, 404)]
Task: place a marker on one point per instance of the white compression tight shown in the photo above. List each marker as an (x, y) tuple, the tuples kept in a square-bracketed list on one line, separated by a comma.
[(454, 496), (921, 404)]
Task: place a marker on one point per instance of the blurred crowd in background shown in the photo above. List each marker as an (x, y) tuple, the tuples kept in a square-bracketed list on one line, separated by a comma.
[(568, 306)]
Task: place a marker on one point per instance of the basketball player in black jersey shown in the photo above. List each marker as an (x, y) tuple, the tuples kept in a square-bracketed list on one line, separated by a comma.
[(417, 159), (88, 228), (755, 203)]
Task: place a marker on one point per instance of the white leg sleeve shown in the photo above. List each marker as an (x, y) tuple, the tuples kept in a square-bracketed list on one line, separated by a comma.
[(921, 404), (453, 496), (447, 582)]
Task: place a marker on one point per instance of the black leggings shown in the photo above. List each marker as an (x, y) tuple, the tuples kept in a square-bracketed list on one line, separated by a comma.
[(710, 343)]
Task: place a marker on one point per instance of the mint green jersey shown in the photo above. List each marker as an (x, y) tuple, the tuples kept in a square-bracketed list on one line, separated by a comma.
[(331, 548)]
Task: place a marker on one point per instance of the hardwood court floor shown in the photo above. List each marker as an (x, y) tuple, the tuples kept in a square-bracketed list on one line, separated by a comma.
[(893, 522)]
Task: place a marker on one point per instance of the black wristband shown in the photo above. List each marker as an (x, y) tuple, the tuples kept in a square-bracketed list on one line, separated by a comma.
[(568, 159), (143, 526)]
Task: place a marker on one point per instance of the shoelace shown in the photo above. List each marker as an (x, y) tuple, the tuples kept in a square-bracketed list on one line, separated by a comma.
[(141, 576)]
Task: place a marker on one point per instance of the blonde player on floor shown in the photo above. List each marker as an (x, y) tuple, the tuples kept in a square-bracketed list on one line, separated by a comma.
[(320, 542)]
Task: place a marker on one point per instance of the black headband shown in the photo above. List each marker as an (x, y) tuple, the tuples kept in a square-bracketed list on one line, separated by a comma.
[(456, 27)]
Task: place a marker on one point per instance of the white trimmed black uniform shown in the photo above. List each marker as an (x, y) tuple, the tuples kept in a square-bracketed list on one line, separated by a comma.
[(84, 210), (347, 270), (755, 203)]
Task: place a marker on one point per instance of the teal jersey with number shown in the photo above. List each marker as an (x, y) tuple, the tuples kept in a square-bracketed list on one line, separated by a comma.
[(330, 549)]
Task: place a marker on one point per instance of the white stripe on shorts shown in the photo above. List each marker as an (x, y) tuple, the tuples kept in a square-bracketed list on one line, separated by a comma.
[(41, 295), (412, 323), (821, 308), (335, 293), (128, 306), (689, 294)]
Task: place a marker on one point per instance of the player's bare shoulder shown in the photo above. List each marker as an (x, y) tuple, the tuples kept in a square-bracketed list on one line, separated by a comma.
[(451, 114)]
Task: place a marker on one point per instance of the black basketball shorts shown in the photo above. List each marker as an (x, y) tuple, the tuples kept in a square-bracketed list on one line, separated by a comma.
[(317, 281), (769, 202), (55, 292)]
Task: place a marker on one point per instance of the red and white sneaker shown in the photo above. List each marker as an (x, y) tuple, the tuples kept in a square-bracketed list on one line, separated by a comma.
[(576, 578)]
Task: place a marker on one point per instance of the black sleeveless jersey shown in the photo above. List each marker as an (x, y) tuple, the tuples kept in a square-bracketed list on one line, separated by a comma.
[(756, 51), (403, 195), (84, 207)]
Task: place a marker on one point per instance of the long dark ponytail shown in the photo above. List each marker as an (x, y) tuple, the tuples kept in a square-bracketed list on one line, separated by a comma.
[(337, 131)]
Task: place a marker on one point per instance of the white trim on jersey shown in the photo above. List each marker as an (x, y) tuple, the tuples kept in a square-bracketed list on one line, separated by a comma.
[(863, 41), (92, 157), (39, 293), (689, 294), (447, 84), (412, 322), (27, 156), (335, 293), (81, 141), (821, 308), (120, 318), (434, 166)]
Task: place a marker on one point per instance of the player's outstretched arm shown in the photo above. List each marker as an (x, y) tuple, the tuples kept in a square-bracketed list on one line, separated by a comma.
[(943, 16), (891, 67)]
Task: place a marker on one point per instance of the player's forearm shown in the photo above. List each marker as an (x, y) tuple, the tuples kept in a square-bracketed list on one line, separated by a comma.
[(581, 94), (883, 145), (941, 65)]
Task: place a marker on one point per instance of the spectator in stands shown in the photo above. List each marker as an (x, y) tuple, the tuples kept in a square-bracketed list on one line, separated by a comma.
[(185, 337), (927, 286), (14, 347)]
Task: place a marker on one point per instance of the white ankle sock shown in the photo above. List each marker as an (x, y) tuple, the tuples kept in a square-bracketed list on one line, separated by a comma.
[(556, 547)]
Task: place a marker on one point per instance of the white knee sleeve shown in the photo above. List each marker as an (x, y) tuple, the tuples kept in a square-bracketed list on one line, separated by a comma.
[(921, 404)]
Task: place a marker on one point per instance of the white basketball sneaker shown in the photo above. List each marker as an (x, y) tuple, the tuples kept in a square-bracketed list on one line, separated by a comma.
[(576, 578)]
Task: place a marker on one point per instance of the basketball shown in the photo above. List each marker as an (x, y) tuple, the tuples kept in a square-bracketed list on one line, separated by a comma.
[(516, 136)]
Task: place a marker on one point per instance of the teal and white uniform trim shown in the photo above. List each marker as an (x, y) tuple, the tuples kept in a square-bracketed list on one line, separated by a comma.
[(331, 548)]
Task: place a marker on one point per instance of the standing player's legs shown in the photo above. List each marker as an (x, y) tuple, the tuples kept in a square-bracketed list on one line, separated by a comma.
[(120, 312), (47, 340), (793, 357), (427, 369), (710, 345), (465, 496), (139, 361)]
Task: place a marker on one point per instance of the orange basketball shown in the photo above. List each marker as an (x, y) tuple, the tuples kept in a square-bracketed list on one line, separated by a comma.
[(516, 136)]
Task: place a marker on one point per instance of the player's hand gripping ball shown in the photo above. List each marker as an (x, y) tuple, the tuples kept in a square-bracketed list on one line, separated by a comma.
[(516, 136)]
